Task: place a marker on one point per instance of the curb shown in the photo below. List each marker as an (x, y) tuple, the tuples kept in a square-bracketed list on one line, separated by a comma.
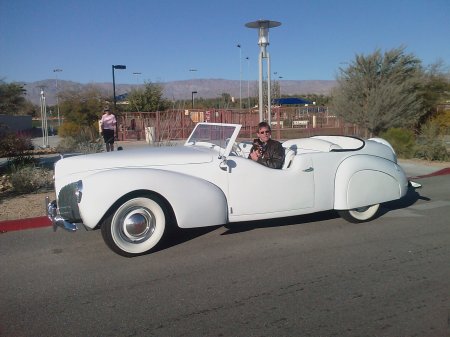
[(21, 224), (444, 171)]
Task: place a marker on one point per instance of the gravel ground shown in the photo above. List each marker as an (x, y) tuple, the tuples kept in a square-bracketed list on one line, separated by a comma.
[(23, 206)]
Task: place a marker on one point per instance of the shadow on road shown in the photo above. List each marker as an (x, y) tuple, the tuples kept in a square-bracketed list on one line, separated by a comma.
[(183, 235), (411, 197), (179, 236), (245, 226)]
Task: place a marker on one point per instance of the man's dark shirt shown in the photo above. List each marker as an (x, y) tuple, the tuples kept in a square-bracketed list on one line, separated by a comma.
[(273, 154)]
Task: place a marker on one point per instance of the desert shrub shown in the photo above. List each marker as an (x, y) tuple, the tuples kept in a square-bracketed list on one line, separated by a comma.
[(443, 119), (430, 143), (30, 179), (69, 129), (86, 140), (17, 162), (67, 144), (402, 140), (13, 145)]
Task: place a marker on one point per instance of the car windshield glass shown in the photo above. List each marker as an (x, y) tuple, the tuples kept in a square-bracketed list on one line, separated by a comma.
[(214, 134)]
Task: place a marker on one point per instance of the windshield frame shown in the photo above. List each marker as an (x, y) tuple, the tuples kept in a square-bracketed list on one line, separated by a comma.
[(218, 136)]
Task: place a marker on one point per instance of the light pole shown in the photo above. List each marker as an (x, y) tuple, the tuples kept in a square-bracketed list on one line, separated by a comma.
[(44, 125), (193, 70), (117, 66), (137, 76), (263, 41), (275, 83), (279, 85), (240, 76), (248, 82), (193, 93), (56, 71)]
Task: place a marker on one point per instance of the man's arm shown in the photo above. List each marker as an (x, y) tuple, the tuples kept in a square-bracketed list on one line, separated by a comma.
[(274, 156)]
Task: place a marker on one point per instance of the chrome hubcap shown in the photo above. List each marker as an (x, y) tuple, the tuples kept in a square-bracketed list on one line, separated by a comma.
[(138, 225)]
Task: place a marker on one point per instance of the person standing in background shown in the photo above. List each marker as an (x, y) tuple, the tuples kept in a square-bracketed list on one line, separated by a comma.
[(108, 127)]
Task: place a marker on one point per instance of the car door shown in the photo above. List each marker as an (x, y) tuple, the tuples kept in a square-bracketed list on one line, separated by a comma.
[(255, 190)]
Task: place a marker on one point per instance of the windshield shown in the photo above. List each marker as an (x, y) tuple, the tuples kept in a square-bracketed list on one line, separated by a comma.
[(214, 134)]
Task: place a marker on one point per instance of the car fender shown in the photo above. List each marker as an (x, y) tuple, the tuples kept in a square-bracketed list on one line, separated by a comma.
[(195, 202), (363, 180)]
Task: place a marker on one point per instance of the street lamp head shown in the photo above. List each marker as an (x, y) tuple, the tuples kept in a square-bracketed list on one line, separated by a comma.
[(263, 26), (119, 66)]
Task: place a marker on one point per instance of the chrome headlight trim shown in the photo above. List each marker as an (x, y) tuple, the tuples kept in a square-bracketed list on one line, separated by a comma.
[(79, 190), (69, 198)]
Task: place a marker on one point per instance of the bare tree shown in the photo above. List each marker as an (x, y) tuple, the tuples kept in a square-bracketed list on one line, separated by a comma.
[(380, 91)]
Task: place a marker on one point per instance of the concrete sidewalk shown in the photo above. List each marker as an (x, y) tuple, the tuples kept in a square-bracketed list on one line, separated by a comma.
[(416, 167)]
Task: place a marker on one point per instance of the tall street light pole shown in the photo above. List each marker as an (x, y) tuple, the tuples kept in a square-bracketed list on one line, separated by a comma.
[(240, 76), (193, 93), (44, 118), (117, 66), (263, 41), (56, 71), (279, 85), (248, 82), (193, 71), (137, 76)]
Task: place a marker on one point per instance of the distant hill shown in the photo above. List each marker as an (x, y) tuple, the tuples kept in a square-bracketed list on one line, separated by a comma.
[(175, 90)]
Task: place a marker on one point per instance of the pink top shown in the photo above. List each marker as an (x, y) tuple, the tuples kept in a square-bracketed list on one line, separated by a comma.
[(108, 121)]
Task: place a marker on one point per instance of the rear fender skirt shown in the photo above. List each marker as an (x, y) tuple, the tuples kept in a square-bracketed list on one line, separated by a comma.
[(364, 180)]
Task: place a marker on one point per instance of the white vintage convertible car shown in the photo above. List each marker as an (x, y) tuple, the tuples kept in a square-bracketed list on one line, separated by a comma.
[(135, 196)]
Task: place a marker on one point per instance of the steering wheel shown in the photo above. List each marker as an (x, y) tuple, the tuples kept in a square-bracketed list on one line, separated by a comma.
[(237, 150)]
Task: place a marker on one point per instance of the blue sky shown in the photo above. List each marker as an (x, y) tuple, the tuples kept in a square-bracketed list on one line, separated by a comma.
[(164, 39)]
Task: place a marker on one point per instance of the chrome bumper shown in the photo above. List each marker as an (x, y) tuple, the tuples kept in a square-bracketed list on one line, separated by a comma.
[(56, 219)]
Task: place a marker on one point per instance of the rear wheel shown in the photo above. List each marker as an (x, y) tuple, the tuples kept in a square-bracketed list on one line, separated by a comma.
[(360, 214), (136, 226)]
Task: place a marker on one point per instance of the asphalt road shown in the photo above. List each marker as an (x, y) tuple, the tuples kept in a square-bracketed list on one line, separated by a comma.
[(311, 275)]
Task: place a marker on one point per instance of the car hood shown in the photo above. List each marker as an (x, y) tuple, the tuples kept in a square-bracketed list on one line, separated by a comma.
[(136, 158)]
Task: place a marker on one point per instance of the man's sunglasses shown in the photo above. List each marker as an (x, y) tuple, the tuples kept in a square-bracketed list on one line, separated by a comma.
[(264, 132)]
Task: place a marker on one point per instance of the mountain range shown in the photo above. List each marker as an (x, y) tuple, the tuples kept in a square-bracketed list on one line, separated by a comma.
[(177, 90)]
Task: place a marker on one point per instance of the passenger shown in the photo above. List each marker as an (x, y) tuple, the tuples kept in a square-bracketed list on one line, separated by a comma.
[(266, 151)]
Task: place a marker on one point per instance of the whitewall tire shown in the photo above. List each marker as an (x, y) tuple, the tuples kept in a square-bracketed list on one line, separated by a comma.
[(136, 226), (361, 214)]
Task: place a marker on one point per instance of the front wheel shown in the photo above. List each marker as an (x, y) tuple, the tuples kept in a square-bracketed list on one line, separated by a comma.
[(360, 214), (136, 226)]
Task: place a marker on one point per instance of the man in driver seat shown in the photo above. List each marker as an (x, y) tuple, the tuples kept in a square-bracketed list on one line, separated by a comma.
[(265, 150)]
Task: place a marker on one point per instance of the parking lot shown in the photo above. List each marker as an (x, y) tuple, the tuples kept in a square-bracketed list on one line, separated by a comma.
[(313, 275)]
